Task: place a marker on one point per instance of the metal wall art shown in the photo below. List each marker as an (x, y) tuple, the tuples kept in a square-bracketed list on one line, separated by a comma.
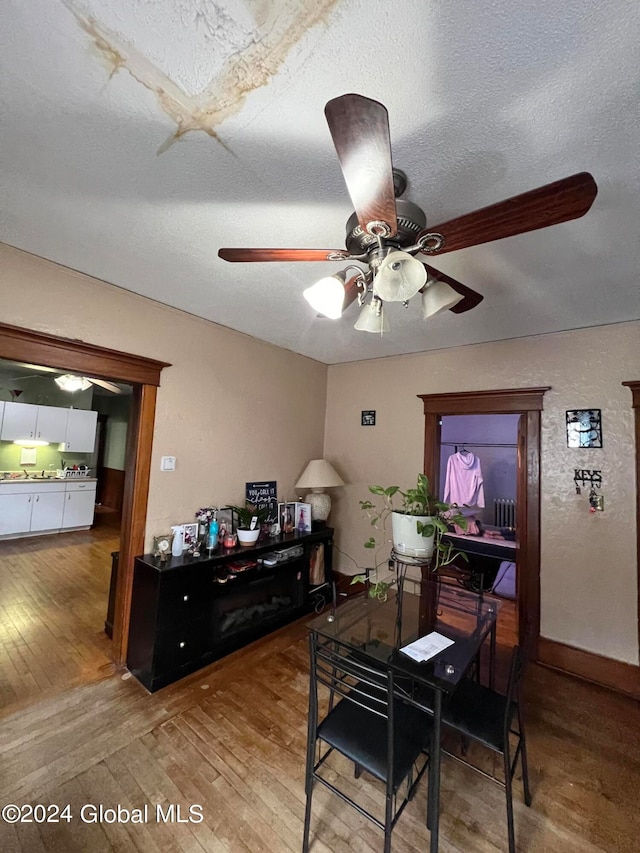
[(584, 428)]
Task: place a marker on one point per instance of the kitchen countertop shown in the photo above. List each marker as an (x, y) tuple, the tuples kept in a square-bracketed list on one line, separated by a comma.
[(37, 479)]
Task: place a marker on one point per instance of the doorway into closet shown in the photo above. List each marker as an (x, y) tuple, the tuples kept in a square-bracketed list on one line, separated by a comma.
[(478, 471), (527, 403)]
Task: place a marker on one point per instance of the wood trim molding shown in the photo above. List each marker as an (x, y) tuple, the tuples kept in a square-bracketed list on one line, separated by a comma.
[(607, 672), (134, 507), (528, 402), (635, 402), (502, 401), (70, 354)]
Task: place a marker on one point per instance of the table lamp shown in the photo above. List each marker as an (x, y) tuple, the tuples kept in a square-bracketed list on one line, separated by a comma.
[(317, 476)]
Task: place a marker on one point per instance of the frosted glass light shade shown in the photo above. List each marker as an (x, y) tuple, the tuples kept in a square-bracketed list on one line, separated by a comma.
[(69, 382), (399, 277), (438, 296), (318, 475), (327, 296), (370, 320)]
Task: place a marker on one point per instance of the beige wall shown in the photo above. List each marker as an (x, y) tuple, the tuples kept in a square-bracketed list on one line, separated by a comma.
[(588, 569), (230, 408)]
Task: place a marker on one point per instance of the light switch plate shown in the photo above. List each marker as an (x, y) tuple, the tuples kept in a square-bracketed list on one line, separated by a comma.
[(167, 463)]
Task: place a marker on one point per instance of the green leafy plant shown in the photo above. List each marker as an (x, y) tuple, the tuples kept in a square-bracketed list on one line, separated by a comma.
[(247, 512), (418, 501)]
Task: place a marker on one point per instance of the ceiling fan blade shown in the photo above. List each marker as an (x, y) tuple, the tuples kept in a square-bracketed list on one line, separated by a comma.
[(108, 385), (560, 201), (360, 131), (471, 297), (250, 255)]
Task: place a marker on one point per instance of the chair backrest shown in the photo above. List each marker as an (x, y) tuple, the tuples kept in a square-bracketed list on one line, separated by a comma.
[(338, 668)]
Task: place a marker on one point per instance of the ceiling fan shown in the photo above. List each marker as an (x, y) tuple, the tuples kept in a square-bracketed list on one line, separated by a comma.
[(71, 382), (389, 234)]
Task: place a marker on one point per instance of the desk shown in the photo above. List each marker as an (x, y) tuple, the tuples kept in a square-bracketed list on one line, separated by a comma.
[(376, 630)]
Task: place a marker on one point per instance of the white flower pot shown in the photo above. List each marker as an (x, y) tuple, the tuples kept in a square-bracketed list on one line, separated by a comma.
[(248, 537), (405, 536)]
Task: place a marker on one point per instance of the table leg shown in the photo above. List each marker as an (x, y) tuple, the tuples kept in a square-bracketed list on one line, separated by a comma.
[(492, 656), (433, 801)]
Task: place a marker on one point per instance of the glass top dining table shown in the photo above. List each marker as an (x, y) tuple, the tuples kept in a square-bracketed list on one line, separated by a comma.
[(378, 630)]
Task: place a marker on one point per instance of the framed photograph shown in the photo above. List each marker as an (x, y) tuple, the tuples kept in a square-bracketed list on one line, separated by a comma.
[(368, 417), (303, 517), (584, 428), (287, 517), (190, 534), (227, 517)]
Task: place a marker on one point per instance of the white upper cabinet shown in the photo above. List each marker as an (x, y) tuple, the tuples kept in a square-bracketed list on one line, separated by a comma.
[(1, 414), (51, 424), (81, 431), (23, 420)]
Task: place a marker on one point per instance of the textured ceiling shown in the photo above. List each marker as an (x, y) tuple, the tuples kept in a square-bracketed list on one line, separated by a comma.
[(138, 138)]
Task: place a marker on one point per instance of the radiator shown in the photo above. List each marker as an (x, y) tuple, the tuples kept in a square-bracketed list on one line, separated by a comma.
[(504, 512)]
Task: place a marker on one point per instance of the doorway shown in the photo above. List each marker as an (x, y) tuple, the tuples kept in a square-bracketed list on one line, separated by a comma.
[(32, 347), (528, 404)]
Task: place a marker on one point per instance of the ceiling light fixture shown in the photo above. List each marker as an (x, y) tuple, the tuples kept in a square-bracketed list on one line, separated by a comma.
[(438, 296), (372, 318), (399, 277), (327, 295), (69, 382)]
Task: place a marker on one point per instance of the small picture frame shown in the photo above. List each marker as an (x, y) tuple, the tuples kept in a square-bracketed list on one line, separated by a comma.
[(368, 417), (162, 546), (226, 518), (287, 517), (303, 517), (584, 428), (190, 534)]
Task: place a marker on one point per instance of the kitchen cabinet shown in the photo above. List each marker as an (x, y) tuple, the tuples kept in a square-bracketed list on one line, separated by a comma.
[(79, 504), (48, 508), (1, 414), (23, 420), (15, 512), (80, 431), (36, 506)]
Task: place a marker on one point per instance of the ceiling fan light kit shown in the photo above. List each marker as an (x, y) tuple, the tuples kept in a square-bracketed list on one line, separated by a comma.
[(385, 232), (69, 382), (327, 296), (438, 296), (372, 318)]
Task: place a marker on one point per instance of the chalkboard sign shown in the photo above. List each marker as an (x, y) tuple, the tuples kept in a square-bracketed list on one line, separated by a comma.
[(264, 495)]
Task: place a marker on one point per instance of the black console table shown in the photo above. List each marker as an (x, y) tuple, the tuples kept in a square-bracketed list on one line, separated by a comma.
[(190, 611)]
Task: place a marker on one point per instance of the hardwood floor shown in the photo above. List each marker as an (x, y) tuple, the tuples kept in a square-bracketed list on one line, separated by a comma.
[(53, 600), (231, 739)]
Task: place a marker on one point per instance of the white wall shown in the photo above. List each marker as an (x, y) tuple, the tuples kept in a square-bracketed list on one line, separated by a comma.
[(588, 561)]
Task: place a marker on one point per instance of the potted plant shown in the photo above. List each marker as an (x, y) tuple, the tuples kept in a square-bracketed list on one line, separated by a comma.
[(418, 519), (249, 530)]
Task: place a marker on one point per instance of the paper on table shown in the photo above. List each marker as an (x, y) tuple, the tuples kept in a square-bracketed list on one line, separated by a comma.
[(427, 647)]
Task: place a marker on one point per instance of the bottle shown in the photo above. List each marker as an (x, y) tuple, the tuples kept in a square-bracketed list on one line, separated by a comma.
[(212, 539), (178, 542)]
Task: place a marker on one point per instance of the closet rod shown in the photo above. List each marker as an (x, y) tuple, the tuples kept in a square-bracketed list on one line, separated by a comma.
[(474, 444)]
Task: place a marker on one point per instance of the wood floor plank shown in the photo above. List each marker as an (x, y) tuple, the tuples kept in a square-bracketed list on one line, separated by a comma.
[(232, 737)]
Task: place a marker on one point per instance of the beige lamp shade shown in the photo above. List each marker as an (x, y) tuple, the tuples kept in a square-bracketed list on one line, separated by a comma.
[(317, 476)]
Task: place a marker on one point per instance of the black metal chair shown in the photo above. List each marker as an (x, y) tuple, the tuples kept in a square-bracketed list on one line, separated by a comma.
[(371, 720), (482, 715)]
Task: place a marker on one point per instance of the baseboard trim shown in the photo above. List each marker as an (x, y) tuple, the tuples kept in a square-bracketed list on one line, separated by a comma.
[(607, 672)]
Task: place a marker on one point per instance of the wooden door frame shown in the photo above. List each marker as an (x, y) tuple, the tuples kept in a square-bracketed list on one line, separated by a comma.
[(635, 402), (42, 349), (527, 402)]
